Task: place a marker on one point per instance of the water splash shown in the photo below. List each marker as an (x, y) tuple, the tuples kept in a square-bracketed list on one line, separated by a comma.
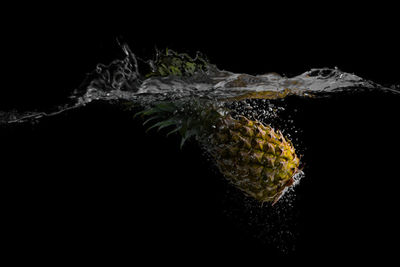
[(122, 81), (254, 96)]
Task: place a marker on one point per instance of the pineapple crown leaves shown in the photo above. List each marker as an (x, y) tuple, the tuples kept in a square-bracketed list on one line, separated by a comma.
[(178, 64), (193, 118)]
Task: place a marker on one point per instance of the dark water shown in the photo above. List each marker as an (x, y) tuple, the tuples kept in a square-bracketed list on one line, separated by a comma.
[(88, 180)]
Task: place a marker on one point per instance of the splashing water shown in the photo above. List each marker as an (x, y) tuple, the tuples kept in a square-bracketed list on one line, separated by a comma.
[(254, 96), (121, 81)]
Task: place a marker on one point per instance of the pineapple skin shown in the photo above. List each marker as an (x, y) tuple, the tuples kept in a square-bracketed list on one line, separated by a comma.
[(254, 157)]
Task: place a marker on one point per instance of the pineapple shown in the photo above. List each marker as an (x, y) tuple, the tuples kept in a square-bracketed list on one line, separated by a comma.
[(173, 63), (254, 157)]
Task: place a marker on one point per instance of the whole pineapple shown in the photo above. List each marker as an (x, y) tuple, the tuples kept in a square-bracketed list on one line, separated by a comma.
[(254, 157)]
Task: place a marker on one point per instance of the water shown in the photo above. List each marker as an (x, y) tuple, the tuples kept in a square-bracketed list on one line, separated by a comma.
[(121, 81), (260, 97)]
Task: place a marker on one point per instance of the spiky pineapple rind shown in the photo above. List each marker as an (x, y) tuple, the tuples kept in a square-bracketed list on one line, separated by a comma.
[(177, 64), (255, 158)]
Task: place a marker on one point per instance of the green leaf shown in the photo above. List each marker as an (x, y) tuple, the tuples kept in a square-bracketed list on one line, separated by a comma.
[(190, 67), (175, 71), (158, 108), (166, 124), (166, 106), (150, 119), (146, 112), (187, 135), (162, 124), (174, 131)]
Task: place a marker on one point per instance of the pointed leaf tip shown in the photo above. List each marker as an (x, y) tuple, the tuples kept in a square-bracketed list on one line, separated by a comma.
[(161, 124), (174, 131), (150, 119)]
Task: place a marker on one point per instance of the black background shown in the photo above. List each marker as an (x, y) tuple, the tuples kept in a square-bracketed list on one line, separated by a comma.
[(91, 184)]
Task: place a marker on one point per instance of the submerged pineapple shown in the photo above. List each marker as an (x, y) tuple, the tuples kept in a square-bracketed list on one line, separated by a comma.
[(254, 157)]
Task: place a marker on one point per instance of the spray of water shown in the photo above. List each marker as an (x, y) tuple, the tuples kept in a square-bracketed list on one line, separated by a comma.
[(259, 97)]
